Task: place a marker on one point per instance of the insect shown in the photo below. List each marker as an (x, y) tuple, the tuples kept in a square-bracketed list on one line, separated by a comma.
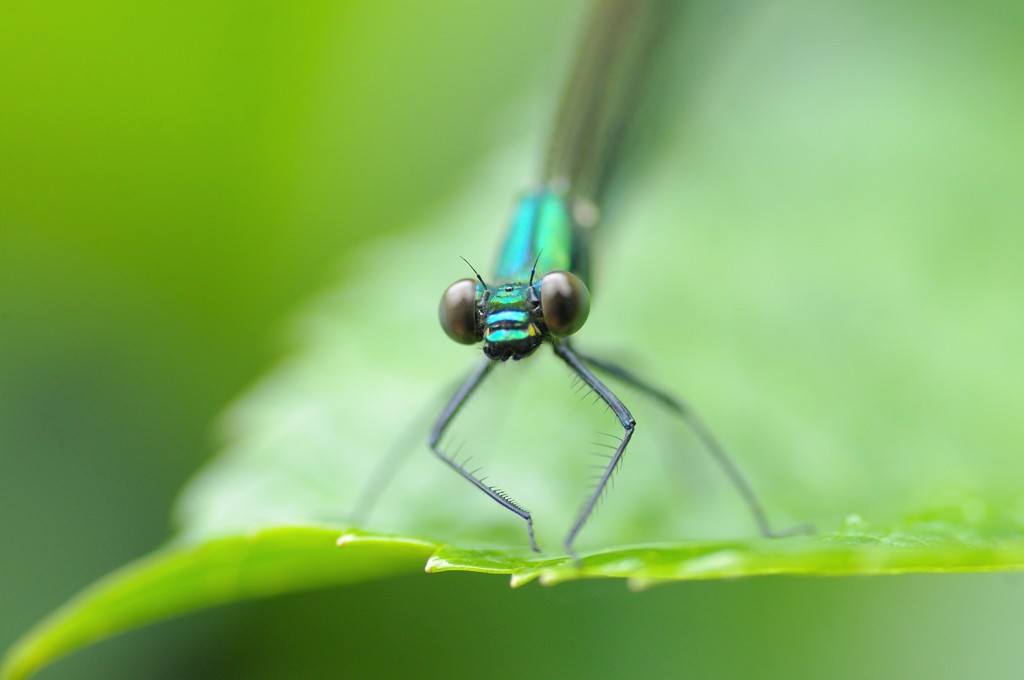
[(538, 293)]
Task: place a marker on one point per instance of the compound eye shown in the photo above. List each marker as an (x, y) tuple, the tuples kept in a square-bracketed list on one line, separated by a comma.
[(565, 303), (458, 312)]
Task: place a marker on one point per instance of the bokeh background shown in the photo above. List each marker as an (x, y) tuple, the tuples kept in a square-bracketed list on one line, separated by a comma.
[(176, 180)]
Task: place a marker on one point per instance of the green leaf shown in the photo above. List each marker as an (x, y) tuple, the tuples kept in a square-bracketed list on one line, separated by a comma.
[(180, 579), (824, 259)]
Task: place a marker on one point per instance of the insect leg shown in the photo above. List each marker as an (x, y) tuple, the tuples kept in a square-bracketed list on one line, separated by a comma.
[(566, 354), (445, 419), (709, 442)]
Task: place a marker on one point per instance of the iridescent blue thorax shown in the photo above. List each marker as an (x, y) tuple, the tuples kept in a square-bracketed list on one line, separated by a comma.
[(542, 238)]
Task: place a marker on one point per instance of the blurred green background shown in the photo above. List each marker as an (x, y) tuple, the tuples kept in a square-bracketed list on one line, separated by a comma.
[(176, 180)]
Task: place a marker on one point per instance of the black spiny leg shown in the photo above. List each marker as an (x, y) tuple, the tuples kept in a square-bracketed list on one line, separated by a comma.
[(707, 439), (456, 402), (566, 354)]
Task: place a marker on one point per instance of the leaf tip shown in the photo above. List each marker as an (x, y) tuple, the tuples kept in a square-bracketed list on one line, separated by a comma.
[(436, 564)]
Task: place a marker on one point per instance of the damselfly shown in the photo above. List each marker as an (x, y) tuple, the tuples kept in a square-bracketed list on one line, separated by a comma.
[(538, 293)]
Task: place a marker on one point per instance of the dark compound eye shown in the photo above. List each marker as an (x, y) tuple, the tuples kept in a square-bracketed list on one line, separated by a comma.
[(458, 312), (565, 303)]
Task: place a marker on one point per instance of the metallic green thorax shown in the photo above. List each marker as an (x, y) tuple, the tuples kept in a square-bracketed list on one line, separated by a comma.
[(542, 236), (542, 225)]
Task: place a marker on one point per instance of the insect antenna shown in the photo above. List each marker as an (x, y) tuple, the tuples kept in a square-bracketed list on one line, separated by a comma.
[(478, 277)]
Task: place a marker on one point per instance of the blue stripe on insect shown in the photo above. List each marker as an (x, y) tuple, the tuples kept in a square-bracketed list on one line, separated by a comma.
[(510, 335), (508, 316)]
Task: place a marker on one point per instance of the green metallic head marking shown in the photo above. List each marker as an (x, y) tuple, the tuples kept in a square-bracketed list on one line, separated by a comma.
[(511, 328)]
